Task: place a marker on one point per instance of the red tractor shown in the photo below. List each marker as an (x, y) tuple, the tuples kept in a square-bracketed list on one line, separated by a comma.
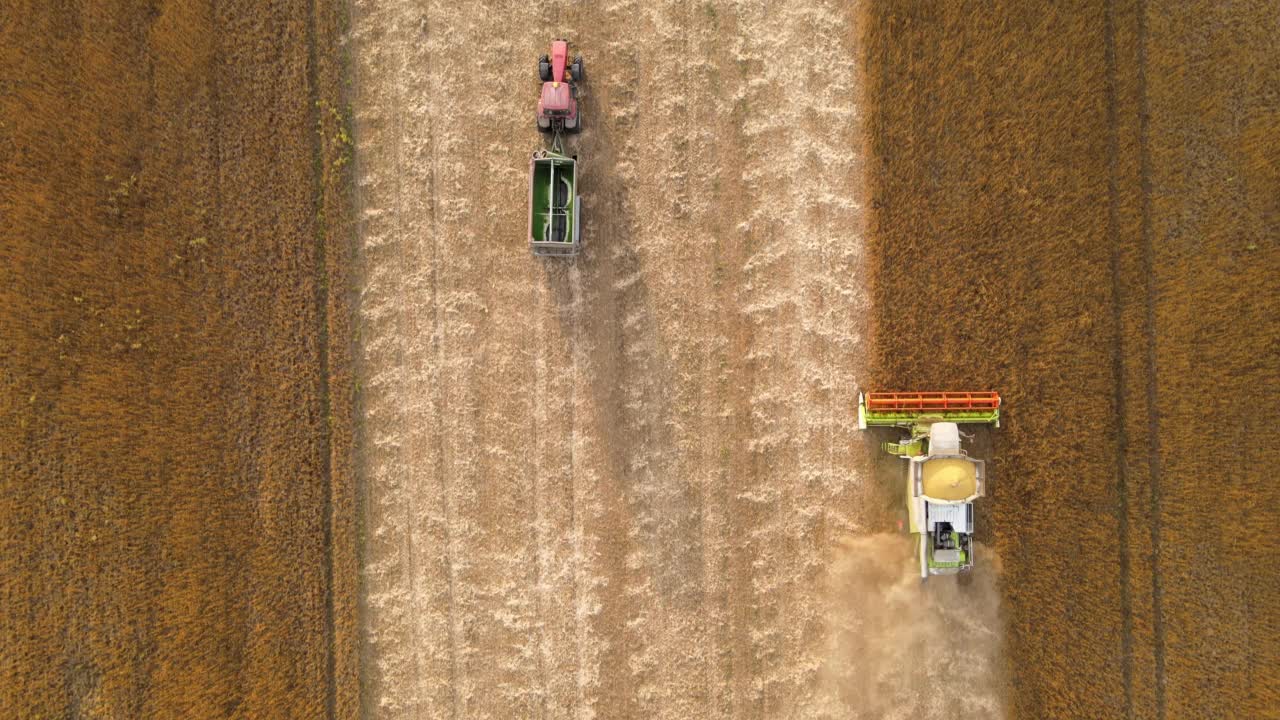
[(558, 105)]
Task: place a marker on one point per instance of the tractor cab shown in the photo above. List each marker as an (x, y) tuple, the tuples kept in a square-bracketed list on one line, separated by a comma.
[(558, 103)]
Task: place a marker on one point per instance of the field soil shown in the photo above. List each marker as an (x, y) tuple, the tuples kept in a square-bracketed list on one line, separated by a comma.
[(176, 505), (1079, 206), (615, 486)]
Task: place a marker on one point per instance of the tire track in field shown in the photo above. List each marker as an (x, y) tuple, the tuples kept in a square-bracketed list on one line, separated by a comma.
[(322, 335), (1118, 363), (563, 559), (798, 303), (1152, 382), (611, 394), (392, 644), (661, 360)]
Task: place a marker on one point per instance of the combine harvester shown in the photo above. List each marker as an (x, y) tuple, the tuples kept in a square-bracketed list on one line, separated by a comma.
[(555, 209), (942, 480)]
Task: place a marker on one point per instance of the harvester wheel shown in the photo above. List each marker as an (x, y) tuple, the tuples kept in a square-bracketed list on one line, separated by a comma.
[(544, 69), (576, 69)]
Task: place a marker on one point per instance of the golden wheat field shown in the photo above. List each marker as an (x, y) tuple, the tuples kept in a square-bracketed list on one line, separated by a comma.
[(176, 497), (293, 426), (1077, 205)]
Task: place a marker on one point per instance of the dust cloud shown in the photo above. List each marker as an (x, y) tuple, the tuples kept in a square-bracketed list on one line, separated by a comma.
[(902, 648)]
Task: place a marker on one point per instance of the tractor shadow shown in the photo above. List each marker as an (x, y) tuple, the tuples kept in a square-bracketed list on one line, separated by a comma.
[(602, 300)]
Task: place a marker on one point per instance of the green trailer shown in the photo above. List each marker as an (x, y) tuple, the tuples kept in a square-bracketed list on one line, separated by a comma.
[(555, 208)]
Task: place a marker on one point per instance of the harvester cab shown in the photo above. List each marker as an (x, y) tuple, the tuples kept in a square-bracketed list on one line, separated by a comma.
[(942, 481), (558, 103)]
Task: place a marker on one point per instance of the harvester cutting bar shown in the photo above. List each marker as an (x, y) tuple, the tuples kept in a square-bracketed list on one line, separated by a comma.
[(921, 401), (902, 408)]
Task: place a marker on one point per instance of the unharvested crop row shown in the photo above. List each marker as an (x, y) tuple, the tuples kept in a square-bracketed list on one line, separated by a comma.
[(1076, 206), (174, 415)]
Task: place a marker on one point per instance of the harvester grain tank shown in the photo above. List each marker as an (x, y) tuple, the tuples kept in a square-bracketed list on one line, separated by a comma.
[(942, 481), (555, 209)]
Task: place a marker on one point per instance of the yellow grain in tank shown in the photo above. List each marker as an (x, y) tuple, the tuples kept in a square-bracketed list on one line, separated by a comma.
[(950, 479)]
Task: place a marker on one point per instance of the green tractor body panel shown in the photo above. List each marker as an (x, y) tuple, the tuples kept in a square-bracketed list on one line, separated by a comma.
[(907, 449)]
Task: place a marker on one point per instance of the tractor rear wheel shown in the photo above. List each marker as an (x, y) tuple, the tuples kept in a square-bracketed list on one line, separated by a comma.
[(544, 69), (576, 68)]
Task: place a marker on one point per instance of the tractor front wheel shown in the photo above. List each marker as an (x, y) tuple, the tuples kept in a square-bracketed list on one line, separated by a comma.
[(576, 69), (544, 69)]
